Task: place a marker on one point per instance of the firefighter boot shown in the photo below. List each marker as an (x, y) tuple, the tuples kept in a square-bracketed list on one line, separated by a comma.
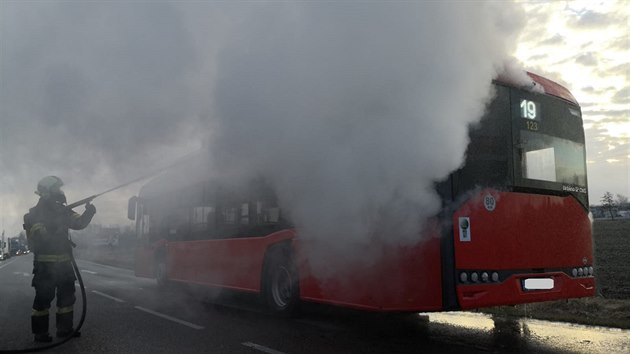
[(64, 325), (39, 325)]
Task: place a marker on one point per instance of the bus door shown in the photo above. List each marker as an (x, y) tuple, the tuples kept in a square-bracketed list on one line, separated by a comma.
[(145, 249)]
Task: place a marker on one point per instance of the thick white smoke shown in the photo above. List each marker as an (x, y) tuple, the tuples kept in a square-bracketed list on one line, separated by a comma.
[(354, 110)]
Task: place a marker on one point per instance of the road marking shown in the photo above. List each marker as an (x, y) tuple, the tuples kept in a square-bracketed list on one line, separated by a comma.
[(88, 271), (4, 265), (107, 296), (185, 323), (261, 348), (107, 266)]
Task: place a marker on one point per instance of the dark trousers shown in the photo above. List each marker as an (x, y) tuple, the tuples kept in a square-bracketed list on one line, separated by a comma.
[(50, 279)]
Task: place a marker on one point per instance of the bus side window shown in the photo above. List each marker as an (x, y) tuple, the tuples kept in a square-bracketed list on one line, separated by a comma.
[(228, 215), (176, 226), (267, 213), (245, 214), (203, 222)]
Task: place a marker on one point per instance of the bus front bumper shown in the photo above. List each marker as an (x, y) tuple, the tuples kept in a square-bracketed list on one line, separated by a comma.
[(517, 289)]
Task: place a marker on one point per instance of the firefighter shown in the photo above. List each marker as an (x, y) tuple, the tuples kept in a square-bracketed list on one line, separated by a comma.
[(46, 227)]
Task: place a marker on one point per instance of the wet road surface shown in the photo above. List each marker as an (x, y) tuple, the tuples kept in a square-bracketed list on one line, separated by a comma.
[(131, 315)]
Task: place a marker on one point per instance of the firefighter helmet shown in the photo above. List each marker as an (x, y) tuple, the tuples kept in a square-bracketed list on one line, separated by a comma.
[(50, 186)]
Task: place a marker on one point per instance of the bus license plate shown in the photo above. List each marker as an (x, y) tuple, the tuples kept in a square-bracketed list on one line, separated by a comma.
[(538, 284)]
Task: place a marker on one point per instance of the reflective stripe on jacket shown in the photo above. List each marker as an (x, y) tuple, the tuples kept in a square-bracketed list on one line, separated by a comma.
[(52, 258)]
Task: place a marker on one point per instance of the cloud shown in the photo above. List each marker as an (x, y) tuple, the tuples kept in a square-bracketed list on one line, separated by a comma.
[(601, 145), (534, 34), (592, 20), (618, 70), (620, 43), (537, 57), (598, 91), (611, 115), (587, 59), (553, 40), (622, 96)]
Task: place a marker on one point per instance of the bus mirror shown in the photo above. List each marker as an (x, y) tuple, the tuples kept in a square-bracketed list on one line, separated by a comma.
[(131, 208)]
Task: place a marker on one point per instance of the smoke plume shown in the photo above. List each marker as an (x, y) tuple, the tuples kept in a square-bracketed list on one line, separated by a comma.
[(354, 110), (351, 110)]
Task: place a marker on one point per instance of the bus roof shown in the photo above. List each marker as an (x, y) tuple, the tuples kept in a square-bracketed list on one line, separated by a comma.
[(550, 87)]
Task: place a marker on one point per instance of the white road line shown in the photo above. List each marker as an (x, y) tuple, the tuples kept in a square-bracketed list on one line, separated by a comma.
[(106, 266), (9, 262), (261, 348), (185, 323), (88, 271), (107, 296)]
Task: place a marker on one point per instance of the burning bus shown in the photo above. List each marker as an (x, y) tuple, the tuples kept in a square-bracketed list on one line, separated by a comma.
[(514, 227)]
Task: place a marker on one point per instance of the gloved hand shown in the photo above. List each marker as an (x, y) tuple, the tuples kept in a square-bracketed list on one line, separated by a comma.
[(89, 208)]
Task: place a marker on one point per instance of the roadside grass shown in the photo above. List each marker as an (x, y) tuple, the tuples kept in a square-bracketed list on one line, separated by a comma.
[(611, 306)]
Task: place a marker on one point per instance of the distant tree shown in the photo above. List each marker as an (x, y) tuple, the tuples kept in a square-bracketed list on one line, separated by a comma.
[(622, 201), (608, 203)]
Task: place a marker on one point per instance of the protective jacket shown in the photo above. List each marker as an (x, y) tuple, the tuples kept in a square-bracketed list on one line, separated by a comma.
[(46, 227)]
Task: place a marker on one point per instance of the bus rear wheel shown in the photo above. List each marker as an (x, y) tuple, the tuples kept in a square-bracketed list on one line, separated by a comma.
[(280, 282)]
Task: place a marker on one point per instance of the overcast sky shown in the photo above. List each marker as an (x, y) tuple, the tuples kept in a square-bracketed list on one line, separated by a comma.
[(99, 93), (585, 45)]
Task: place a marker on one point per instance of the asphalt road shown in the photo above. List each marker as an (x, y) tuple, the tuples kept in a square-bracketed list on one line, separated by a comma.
[(131, 315)]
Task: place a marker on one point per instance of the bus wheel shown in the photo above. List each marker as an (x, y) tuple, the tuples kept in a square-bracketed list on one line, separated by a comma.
[(280, 282)]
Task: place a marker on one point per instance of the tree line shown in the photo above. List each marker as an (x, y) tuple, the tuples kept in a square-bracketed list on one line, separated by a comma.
[(611, 206)]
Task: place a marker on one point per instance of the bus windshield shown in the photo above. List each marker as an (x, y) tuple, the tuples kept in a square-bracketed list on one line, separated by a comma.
[(552, 159), (549, 153)]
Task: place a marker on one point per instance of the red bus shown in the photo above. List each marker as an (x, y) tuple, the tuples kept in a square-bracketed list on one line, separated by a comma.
[(514, 227)]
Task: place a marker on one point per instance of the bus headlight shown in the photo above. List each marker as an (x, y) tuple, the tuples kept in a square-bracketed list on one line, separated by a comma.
[(474, 277), (590, 271), (463, 277), (485, 277), (574, 272), (495, 277), (580, 271)]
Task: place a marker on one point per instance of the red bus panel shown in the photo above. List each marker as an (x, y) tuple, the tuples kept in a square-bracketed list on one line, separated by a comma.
[(528, 236), (404, 279), (234, 263)]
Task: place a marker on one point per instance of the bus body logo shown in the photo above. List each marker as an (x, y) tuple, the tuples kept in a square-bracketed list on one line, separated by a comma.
[(464, 229), (489, 202)]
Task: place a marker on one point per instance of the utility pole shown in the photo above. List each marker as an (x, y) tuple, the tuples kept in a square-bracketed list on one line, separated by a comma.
[(2, 244)]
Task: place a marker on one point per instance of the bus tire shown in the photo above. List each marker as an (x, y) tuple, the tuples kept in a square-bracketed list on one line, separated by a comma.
[(280, 288)]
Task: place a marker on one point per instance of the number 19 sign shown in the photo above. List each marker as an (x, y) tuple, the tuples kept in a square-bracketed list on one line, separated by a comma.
[(530, 109)]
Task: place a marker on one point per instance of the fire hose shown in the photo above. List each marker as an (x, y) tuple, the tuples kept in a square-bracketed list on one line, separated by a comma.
[(77, 328)]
